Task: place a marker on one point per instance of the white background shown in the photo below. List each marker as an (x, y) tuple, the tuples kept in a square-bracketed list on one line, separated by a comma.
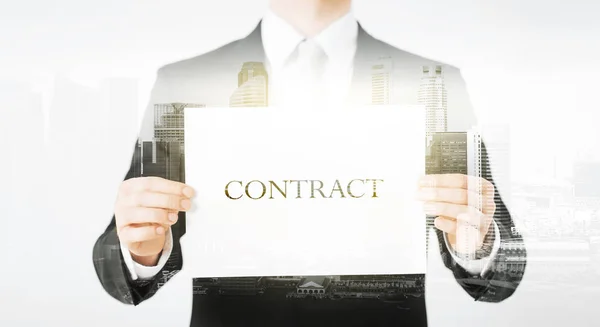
[(534, 63)]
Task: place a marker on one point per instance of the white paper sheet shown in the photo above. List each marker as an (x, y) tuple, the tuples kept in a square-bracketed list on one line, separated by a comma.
[(310, 235)]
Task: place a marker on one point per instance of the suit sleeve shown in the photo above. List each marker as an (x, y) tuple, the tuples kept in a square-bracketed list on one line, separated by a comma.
[(506, 270), (108, 260), (110, 267)]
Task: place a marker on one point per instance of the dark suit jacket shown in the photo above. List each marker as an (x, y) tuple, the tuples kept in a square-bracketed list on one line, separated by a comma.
[(210, 79)]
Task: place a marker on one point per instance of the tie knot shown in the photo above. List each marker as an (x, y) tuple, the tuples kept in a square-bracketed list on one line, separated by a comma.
[(303, 83), (309, 53), (310, 49)]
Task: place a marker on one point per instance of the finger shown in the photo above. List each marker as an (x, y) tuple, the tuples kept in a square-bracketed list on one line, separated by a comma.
[(141, 233), (449, 195), (468, 238), (159, 200), (475, 220), (158, 185), (463, 213), (450, 210), (445, 225), (476, 184), (141, 215), (457, 196)]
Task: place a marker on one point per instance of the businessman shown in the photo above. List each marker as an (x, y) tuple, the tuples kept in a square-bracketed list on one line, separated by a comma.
[(299, 54)]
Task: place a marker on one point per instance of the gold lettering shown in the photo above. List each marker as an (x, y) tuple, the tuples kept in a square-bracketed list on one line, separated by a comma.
[(284, 193), (350, 185), (374, 185), (313, 189), (337, 187), (315, 186), (227, 190), (264, 190), (298, 181)]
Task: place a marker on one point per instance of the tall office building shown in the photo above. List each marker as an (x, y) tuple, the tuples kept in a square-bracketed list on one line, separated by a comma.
[(253, 86), (447, 153), (159, 159), (497, 152), (432, 94), (381, 80), (495, 169), (168, 122)]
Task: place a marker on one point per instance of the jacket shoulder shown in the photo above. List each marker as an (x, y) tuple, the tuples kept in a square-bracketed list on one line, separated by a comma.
[(376, 47), (245, 49)]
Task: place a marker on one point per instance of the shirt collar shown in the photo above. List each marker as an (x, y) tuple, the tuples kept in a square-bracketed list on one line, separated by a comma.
[(280, 39)]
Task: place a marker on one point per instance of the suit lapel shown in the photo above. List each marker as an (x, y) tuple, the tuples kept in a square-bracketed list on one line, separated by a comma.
[(251, 46)]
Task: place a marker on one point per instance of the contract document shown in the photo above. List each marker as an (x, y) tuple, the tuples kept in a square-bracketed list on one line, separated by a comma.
[(292, 193)]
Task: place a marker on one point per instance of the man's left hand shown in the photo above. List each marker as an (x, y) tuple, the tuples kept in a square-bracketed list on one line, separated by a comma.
[(464, 208)]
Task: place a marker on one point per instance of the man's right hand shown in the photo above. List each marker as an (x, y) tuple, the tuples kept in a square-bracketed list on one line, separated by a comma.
[(145, 209)]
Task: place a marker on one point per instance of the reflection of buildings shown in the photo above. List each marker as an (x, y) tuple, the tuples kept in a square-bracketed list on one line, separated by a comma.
[(565, 260), (381, 81), (447, 154), (546, 210), (383, 287), (231, 286), (586, 178), (432, 94), (464, 153), (496, 168), (497, 150), (240, 285), (169, 121), (159, 159), (313, 285), (253, 85)]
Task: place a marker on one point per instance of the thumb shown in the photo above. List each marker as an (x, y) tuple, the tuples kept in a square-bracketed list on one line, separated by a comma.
[(467, 237)]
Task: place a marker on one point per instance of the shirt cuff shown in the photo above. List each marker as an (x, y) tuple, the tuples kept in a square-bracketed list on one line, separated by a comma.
[(138, 271), (480, 266)]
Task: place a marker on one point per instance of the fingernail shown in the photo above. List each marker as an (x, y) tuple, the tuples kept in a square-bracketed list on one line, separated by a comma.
[(160, 230), (173, 217), (188, 191), (185, 204)]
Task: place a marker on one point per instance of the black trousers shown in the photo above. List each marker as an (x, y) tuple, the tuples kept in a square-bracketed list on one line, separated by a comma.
[(269, 310)]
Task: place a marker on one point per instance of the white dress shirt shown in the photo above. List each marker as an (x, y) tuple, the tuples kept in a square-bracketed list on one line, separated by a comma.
[(338, 41), (280, 41)]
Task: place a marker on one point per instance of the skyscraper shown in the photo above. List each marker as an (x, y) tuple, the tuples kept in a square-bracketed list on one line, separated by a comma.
[(168, 122), (381, 80), (497, 151), (487, 160), (447, 153), (432, 94), (159, 159), (253, 86)]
